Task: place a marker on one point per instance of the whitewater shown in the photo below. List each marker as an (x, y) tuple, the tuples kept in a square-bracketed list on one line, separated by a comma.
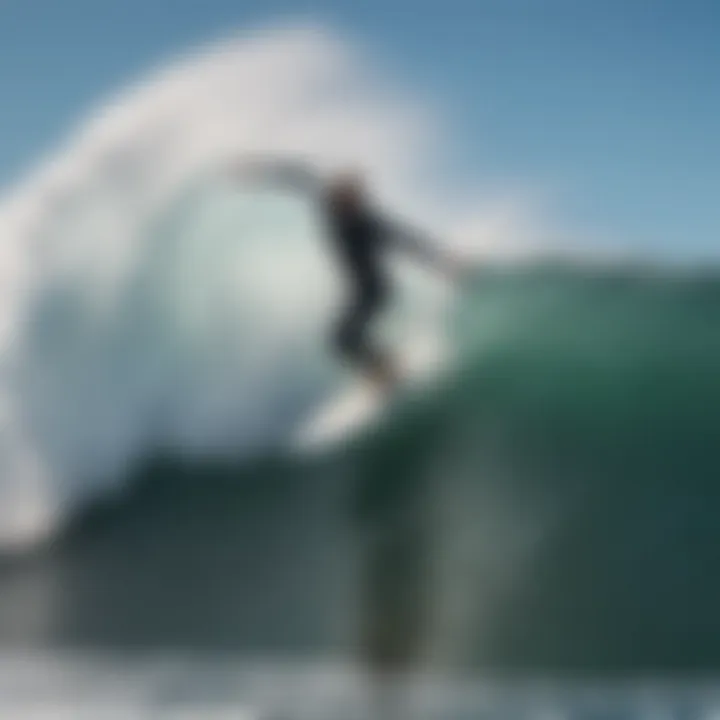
[(149, 303)]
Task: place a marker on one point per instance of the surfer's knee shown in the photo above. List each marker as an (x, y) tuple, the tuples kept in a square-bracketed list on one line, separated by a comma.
[(350, 336), (344, 338), (375, 297), (351, 343)]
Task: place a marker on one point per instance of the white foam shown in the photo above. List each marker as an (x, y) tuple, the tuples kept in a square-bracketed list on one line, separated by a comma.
[(51, 684), (145, 301)]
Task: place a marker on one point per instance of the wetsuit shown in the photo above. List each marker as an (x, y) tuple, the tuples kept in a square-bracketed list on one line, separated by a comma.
[(359, 236)]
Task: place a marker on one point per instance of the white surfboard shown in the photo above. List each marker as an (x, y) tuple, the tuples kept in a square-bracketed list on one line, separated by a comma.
[(361, 403)]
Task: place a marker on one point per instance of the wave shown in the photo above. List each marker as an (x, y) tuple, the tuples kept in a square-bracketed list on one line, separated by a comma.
[(551, 504), (566, 471), (149, 307), (147, 302)]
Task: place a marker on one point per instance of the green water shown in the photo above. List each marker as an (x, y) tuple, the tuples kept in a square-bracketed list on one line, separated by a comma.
[(551, 505)]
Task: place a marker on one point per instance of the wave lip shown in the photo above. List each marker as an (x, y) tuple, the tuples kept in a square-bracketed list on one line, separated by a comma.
[(146, 302)]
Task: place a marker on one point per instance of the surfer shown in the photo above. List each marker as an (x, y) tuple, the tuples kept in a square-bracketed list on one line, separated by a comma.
[(360, 235)]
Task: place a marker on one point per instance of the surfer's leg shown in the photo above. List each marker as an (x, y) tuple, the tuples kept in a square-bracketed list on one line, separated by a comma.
[(352, 337)]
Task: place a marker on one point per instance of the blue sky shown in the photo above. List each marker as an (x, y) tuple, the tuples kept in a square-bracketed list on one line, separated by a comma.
[(613, 106)]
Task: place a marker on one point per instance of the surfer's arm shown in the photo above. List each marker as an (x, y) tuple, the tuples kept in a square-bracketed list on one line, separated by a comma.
[(419, 245), (290, 175)]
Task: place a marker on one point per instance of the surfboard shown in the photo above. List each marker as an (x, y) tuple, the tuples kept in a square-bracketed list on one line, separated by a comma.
[(362, 403)]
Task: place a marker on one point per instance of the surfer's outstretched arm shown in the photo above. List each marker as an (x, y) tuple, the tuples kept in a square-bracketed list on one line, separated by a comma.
[(428, 251), (295, 176)]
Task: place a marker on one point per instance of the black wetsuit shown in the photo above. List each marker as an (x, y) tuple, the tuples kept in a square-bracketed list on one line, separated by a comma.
[(359, 237)]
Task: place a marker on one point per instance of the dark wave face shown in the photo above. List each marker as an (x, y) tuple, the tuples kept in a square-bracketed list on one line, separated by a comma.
[(552, 504)]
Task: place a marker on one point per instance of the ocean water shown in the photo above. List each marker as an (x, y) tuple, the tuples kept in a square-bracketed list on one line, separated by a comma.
[(545, 513), (552, 498)]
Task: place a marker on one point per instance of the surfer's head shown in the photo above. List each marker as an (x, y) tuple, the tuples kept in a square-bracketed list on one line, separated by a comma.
[(346, 190)]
